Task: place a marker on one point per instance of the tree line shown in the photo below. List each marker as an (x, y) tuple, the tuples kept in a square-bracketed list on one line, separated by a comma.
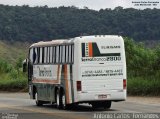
[(24, 23)]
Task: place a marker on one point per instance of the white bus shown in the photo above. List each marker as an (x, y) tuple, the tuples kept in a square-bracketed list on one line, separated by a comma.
[(87, 69)]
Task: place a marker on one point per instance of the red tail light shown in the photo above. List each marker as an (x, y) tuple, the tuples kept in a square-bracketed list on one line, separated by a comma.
[(124, 84), (79, 87)]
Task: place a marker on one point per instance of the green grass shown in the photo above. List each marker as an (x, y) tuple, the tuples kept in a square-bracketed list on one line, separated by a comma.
[(13, 85), (143, 87), (10, 79)]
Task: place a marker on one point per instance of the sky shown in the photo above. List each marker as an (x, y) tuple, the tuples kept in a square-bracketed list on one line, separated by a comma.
[(91, 4)]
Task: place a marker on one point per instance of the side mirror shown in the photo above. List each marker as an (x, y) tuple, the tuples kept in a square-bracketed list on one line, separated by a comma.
[(25, 65)]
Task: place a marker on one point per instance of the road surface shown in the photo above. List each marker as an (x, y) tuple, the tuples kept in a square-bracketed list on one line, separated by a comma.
[(19, 106)]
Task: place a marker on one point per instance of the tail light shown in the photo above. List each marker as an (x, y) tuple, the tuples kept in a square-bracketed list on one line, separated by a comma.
[(124, 84), (79, 86)]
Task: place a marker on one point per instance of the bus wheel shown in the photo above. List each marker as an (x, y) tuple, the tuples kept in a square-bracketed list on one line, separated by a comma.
[(107, 104), (95, 105), (63, 101), (38, 102)]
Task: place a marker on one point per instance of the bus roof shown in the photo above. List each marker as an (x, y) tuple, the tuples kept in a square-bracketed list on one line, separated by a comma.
[(70, 41), (46, 43)]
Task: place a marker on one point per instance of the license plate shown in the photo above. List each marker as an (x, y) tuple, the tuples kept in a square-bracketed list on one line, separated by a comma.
[(102, 96)]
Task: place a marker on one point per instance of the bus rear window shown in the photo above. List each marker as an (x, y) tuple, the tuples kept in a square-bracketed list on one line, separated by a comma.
[(91, 50)]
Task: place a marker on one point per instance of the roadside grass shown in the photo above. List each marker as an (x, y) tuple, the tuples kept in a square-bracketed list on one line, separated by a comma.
[(13, 81), (143, 86), (13, 85)]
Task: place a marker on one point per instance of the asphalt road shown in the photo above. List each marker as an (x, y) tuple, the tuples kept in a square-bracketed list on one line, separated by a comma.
[(19, 106)]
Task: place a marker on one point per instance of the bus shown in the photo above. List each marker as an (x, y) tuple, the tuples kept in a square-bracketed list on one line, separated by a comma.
[(86, 69)]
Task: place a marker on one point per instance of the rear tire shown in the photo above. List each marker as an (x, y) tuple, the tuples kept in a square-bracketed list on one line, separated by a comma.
[(63, 100), (38, 102), (105, 105)]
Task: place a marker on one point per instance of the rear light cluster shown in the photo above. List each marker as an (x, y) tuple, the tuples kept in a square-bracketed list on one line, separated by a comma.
[(79, 86), (124, 84)]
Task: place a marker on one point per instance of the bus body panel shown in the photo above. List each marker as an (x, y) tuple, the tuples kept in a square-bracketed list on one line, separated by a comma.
[(103, 77), (98, 64)]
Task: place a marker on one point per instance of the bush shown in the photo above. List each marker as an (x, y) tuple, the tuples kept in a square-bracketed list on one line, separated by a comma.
[(13, 85), (12, 78), (5, 67), (143, 87)]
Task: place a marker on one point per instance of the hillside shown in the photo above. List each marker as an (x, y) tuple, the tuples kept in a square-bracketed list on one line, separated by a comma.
[(42, 23), (10, 52)]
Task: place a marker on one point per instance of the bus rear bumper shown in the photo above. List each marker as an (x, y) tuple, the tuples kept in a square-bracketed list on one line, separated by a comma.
[(114, 95)]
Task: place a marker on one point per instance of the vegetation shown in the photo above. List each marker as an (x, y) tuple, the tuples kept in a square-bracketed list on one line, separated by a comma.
[(143, 69), (11, 78), (23, 23), (143, 86)]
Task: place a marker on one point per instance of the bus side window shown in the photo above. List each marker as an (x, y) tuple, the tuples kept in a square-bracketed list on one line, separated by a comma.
[(45, 54), (72, 53), (57, 54), (54, 54), (69, 51), (51, 54), (40, 57), (34, 55), (60, 55), (31, 55), (63, 54), (48, 55), (66, 54)]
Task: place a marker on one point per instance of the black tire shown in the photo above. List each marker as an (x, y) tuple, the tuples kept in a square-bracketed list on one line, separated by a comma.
[(63, 104), (95, 105), (38, 102), (61, 100), (107, 105)]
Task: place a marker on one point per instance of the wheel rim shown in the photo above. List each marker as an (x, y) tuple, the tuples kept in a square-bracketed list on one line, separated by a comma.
[(64, 100), (57, 99), (36, 98)]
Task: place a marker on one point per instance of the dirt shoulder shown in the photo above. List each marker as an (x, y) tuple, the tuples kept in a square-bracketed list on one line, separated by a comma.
[(145, 100)]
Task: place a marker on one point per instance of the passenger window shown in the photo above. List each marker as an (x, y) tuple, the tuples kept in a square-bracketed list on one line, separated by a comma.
[(45, 54), (48, 54), (54, 55), (63, 54), (57, 54), (69, 51), (31, 55), (66, 54), (51, 54), (35, 55), (40, 56)]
